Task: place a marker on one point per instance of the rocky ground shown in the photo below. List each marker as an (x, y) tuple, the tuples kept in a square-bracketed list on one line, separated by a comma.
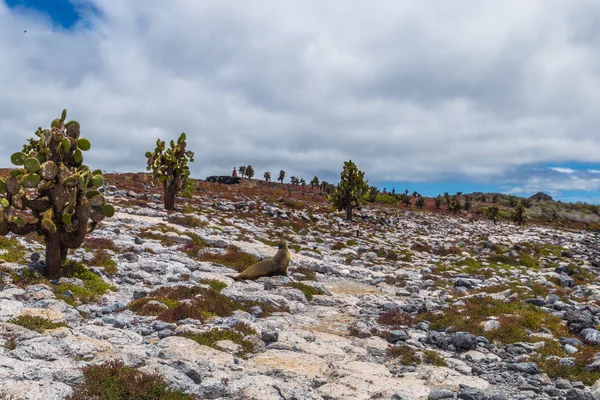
[(419, 306)]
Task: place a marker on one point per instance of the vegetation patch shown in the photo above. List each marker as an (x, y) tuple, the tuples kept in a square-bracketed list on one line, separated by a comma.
[(35, 323), (515, 318), (579, 274), (405, 354), (386, 199), (211, 337), (189, 221), (548, 357), (308, 291), (308, 274), (11, 250), (394, 280), (396, 318), (93, 288), (103, 259), (422, 247), (25, 277), (234, 258), (198, 303), (214, 283), (92, 243), (113, 380), (338, 246), (10, 343), (434, 358)]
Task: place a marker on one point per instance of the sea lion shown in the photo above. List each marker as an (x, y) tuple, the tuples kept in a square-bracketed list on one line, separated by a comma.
[(277, 265)]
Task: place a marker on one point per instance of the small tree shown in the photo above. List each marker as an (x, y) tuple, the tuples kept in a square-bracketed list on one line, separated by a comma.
[(314, 182), (242, 170), (493, 213), (281, 176), (512, 200), (267, 176), (518, 215), (406, 199), (170, 167), (249, 172), (467, 203), (420, 202), (53, 193), (302, 182), (455, 205), (483, 198), (372, 195), (351, 191), (293, 180), (438, 202)]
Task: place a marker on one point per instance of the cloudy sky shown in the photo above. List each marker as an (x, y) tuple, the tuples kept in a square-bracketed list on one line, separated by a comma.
[(426, 95)]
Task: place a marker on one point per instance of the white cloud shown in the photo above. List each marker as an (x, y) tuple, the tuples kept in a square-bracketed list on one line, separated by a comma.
[(409, 90), (562, 170)]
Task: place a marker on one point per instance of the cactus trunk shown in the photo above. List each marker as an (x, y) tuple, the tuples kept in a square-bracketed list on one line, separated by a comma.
[(55, 255), (349, 213), (169, 196)]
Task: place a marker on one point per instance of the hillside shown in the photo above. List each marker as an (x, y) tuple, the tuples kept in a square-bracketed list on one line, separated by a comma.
[(423, 304)]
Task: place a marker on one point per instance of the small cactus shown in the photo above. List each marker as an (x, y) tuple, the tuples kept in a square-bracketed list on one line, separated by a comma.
[(169, 167), (52, 192)]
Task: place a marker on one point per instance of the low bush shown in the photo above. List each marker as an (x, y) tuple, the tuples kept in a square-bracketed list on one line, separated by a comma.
[(113, 380), (35, 323), (308, 291)]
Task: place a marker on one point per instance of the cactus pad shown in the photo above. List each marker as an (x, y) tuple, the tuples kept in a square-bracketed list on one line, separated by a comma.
[(18, 158), (13, 186), (32, 164), (2, 186), (108, 210), (30, 180), (65, 144), (97, 201), (48, 170), (77, 156), (83, 144), (97, 180)]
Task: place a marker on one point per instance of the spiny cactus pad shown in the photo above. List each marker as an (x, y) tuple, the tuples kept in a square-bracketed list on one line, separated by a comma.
[(60, 192)]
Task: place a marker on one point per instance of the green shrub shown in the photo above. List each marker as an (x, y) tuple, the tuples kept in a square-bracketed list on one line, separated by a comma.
[(308, 291), (113, 380), (35, 323), (93, 288), (211, 337), (214, 283), (11, 250), (386, 199)]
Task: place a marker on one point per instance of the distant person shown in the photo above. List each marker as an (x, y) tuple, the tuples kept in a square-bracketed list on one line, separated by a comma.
[(234, 174)]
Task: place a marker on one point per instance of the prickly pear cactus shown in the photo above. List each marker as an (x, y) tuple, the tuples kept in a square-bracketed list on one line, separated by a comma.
[(169, 167), (52, 192)]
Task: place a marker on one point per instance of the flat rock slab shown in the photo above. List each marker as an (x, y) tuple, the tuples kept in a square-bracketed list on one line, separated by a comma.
[(290, 361), (442, 377), (34, 390), (184, 349)]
